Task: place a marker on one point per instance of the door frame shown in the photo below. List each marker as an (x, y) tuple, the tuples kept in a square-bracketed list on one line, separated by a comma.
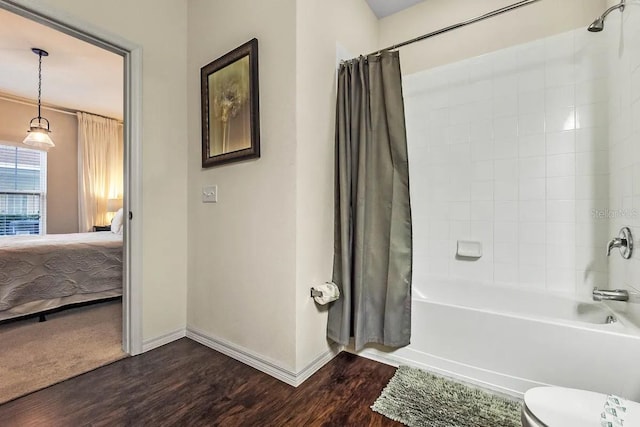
[(132, 127)]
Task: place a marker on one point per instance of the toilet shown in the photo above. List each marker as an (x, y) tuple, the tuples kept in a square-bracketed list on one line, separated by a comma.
[(568, 407)]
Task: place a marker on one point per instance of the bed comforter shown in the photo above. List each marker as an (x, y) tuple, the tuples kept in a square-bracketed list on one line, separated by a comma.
[(58, 267)]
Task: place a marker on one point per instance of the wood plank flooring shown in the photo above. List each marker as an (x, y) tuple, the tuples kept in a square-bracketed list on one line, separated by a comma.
[(187, 384)]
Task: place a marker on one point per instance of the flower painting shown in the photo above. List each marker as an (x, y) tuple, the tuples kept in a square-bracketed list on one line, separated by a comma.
[(230, 122)]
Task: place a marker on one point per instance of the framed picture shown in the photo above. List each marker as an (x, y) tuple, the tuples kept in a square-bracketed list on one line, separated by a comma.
[(230, 107)]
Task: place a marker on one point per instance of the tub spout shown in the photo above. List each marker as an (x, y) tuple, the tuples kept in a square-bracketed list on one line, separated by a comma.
[(610, 295)]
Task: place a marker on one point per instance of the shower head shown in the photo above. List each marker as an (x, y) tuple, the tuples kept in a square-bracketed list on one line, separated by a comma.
[(598, 25)]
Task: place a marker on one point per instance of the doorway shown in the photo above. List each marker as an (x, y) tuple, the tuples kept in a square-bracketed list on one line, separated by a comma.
[(131, 57)]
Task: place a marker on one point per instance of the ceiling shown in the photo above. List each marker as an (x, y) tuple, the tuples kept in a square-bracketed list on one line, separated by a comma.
[(76, 75), (384, 8)]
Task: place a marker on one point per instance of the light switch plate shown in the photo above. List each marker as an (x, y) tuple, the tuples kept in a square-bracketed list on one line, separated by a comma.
[(210, 194)]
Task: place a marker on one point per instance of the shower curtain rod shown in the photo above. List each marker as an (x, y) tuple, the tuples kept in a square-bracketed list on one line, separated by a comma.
[(459, 25)]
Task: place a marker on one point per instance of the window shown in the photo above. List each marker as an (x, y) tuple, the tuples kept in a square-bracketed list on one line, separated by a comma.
[(23, 189)]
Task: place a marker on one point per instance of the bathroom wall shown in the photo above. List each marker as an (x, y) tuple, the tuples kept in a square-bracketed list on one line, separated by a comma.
[(510, 149), (320, 26), (242, 253), (623, 209), (255, 253)]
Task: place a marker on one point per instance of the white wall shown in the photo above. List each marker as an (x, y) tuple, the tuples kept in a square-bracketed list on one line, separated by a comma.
[(242, 253), (320, 25), (159, 27), (526, 24), (623, 59), (510, 149), (255, 254)]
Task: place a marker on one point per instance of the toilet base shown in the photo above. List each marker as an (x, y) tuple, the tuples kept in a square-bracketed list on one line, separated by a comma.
[(529, 420)]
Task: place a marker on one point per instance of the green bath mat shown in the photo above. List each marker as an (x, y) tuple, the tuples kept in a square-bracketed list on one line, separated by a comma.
[(418, 398)]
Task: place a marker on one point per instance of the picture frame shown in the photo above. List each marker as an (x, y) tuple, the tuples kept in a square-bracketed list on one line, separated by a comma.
[(231, 107)]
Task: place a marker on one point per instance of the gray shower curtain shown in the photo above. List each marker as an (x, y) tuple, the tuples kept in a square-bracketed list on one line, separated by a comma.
[(372, 233)]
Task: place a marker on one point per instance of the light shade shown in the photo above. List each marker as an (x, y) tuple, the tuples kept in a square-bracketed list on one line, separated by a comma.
[(38, 136), (113, 205)]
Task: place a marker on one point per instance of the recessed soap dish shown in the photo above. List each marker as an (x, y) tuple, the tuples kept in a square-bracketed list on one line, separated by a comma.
[(469, 249)]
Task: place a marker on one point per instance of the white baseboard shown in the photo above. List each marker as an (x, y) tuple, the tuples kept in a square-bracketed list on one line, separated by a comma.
[(490, 380), (318, 363), (260, 362), (156, 342)]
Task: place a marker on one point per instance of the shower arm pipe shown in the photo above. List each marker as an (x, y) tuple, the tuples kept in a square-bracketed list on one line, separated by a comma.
[(620, 6), (459, 25)]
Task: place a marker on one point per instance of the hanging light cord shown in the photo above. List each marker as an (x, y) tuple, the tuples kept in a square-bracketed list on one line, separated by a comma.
[(39, 84)]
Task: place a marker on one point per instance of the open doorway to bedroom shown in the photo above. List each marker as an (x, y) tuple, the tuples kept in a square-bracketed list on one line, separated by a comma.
[(63, 231)]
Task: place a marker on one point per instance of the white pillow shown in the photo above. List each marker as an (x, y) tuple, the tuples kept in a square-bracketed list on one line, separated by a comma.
[(116, 222)]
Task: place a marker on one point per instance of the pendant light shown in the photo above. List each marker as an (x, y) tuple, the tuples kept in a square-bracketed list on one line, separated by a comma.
[(38, 134)]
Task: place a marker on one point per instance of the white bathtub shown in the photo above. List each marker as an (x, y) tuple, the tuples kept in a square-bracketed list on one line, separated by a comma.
[(510, 340)]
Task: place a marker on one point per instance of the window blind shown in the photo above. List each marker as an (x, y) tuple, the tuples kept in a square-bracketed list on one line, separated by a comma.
[(22, 190)]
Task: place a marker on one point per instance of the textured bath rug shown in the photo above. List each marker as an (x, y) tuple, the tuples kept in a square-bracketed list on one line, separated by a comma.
[(418, 398)]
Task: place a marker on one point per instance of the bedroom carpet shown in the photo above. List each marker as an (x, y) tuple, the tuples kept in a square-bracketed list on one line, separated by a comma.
[(36, 355)]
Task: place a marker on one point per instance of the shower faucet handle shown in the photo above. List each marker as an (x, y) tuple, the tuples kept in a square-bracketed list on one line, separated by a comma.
[(624, 242), (616, 242)]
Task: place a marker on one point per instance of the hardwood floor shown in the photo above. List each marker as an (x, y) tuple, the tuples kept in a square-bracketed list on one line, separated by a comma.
[(187, 384)]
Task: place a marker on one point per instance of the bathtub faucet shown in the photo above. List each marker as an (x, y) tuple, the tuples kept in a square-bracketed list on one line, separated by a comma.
[(610, 295)]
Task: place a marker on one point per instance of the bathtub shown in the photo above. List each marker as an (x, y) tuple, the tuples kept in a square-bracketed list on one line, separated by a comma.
[(510, 340)]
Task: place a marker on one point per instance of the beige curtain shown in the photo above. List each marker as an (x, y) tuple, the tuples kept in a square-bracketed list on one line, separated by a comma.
[(372, 239), (100, 168)]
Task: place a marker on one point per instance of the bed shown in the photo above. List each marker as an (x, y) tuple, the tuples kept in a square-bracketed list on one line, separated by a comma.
[(40, 273)]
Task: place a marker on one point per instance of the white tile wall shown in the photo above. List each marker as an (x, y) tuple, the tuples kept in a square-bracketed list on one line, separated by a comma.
[(512, 149)]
